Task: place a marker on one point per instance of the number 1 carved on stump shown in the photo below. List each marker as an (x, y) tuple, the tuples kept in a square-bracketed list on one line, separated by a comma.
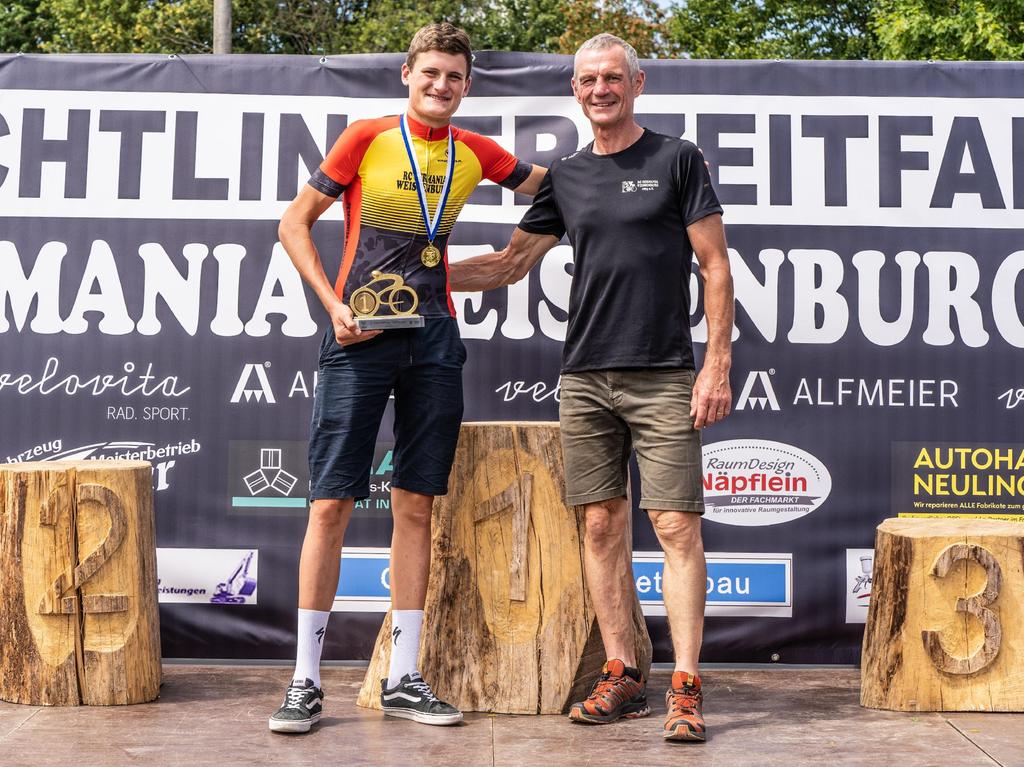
[(976, 605), (55, 602), (518, 498)]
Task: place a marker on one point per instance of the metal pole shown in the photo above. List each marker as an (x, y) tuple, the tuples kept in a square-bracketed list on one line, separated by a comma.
[(222, 26)]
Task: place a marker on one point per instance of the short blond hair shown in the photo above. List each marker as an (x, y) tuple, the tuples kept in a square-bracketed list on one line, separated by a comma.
[(443, 37)]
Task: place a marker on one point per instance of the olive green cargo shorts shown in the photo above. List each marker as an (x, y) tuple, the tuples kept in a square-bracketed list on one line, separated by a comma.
[(606, 413)]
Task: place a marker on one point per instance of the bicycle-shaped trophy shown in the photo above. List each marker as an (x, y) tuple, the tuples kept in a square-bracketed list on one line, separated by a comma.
[(400, 299)]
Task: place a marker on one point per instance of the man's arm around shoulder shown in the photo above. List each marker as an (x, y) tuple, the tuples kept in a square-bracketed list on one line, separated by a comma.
[(503, 267)]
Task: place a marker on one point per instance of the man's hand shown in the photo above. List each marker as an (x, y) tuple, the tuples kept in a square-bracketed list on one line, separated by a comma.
[(711, 400), (346, 329)]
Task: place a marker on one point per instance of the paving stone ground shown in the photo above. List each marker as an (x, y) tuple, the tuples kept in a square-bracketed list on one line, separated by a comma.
[(217, 715)]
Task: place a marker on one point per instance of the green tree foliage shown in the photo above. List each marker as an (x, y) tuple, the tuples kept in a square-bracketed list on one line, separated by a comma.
[(506, 25), (760, 29), (186, 26), (982, 30), (180, 26), (272, 26), (388, 25), (517, 25), (716, 29), (640, 22), (21, 26), (790, 29), (90, 26), (819, 29)]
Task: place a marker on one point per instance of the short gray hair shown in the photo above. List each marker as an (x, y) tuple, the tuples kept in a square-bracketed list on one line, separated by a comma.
[(604, 41)]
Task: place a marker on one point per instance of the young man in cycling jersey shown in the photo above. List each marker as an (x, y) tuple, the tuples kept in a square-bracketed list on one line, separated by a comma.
[(403, 180)]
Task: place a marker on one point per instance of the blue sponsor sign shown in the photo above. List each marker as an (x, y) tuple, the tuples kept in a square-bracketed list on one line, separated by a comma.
[(364, 585), (737, 584)]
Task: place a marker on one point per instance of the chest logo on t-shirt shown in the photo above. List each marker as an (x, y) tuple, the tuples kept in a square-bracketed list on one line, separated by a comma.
[(640, 185)]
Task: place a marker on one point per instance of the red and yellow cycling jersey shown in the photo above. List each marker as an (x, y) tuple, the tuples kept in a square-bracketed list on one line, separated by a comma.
[(384, 227)]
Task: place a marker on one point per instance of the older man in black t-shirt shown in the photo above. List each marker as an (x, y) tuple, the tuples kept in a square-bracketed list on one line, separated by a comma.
[(636, 206)]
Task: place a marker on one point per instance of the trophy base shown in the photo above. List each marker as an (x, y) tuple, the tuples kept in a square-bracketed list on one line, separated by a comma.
[(390, 323)]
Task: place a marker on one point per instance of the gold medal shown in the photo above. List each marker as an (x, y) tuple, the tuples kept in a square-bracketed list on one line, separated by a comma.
[(430, 256)]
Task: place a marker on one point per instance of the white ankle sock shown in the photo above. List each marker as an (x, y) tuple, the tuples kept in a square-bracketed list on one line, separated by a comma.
[(405, 643), (312, 627)]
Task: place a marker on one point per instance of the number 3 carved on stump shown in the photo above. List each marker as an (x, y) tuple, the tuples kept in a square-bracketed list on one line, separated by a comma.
[(977, 605)]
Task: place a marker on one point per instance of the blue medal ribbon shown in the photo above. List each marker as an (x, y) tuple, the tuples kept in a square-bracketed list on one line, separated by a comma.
[(434, 224)]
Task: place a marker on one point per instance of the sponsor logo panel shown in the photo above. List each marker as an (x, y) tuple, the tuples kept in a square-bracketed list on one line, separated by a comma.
[(260, 383), (859, 563), (364, 585), (272, 477), (958, 479), (126, 451), (759, 392), (254, 385), (752, 482), (268, 476), (131, 380), (737, 584), (207, 576), (163, 457), (143, 381)]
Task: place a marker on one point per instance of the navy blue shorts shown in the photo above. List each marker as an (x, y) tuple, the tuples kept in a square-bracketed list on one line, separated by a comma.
[(423, 367)]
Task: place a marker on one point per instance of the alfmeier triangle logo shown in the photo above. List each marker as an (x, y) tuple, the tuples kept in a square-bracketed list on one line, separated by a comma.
[(766, 399), (253, 384), (758, 482)]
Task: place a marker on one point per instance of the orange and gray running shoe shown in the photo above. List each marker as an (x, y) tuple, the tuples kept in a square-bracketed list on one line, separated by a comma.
[(621, 692), (684, 701)]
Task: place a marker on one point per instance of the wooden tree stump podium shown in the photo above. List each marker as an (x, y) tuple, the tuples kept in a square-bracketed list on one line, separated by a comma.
[(508, 623), (945, 627), (78, 595)]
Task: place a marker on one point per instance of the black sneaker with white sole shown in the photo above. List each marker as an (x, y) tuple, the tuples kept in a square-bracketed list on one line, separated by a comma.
[(413, 699), (303, 703)]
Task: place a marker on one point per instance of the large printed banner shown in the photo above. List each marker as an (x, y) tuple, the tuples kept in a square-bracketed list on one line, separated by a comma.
[(874, 214)]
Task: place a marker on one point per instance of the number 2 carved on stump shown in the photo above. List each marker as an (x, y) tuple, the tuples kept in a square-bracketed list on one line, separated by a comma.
[(977, 605), (54, 602)]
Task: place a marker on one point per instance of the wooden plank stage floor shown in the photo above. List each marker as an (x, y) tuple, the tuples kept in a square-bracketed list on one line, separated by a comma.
[(217, 715)]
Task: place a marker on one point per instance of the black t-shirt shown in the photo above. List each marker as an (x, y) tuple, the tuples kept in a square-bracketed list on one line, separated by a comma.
[(626, 216)]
